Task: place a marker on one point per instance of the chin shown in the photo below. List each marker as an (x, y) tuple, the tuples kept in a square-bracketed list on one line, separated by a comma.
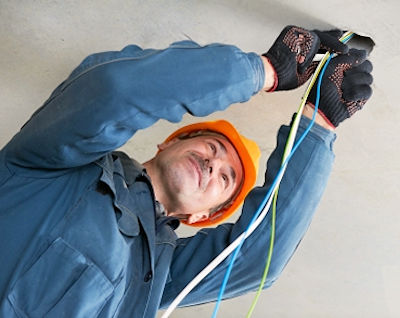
[(180, 194), (179, 180)]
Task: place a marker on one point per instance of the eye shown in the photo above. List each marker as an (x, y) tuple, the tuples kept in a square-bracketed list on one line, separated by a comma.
[(225, 179), (213, 148)]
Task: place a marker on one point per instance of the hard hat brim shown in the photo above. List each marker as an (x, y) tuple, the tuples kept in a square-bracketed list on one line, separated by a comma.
[(249, 155)]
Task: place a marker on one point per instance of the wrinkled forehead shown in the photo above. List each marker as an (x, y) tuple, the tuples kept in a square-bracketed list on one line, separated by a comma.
[(205, 133), (200, 133)]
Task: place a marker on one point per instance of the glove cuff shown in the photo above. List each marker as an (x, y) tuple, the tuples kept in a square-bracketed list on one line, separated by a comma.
[(283, 72), (276, 80), (322, 115), (331, 106)]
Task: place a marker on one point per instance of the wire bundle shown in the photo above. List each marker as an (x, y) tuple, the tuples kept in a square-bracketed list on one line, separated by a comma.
[(265, 205)]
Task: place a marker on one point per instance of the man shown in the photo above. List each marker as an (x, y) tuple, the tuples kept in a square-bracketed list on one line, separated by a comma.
[(87, 232)]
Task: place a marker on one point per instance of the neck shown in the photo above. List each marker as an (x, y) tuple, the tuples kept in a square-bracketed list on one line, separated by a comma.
[(159, 194)]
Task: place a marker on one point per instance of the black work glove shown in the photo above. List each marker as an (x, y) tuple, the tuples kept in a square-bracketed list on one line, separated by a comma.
[(292, 53), (345, 86)]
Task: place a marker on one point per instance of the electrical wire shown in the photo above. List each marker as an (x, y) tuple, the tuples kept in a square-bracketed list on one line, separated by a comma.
[(323, 62), (344, 39), (273, 216), (263, 206), (261, 211), (230, 248)]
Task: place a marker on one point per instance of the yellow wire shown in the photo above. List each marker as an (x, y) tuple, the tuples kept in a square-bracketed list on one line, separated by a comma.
[(286, 153)]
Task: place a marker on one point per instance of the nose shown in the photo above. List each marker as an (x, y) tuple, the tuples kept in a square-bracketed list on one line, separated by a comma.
[(208, 166), (212, 164)]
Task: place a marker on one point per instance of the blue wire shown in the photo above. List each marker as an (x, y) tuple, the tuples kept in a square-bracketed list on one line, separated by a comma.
[(264, 202)]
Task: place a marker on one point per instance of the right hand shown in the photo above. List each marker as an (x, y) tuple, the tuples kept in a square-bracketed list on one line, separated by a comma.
[(293, 51), (345, 87)]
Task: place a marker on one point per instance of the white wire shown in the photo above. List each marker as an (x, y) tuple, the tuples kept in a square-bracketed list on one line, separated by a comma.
[(213, 264), (228, 250)]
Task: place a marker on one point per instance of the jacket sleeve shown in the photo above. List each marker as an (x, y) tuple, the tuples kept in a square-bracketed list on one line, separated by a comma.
[(299, 194), (111, 95)]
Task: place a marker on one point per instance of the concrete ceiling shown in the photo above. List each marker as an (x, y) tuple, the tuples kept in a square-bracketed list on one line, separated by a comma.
[(348, 265)]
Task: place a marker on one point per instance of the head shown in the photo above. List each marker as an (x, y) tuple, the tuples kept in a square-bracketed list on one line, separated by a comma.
[(202, 172)]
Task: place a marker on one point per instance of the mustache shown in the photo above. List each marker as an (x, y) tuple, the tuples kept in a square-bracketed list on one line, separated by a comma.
[(203, 163)]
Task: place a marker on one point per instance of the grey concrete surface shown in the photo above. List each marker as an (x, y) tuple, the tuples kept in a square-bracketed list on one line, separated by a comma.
[(348, 265)]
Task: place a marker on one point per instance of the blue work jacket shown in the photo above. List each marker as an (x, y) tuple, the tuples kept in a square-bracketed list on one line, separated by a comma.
[(81, 234)]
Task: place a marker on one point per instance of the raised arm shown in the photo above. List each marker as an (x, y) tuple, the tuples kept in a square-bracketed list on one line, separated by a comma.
[(346, 88), (299, 194), (111, 95)]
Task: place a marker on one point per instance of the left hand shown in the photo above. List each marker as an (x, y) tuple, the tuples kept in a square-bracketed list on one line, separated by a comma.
[(292, 53), (346, 87)]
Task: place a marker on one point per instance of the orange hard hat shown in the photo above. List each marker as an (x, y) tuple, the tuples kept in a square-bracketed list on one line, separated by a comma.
[(249, 154)]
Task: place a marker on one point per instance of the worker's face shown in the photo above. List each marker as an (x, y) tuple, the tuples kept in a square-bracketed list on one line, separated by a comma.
[(199, 174)]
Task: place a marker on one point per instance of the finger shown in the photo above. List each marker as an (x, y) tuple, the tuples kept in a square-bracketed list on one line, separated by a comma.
[(310, 47), (352, 78), (330, 41), (303, 77), (351, 60), (342, 61), (357, 93), (335, 33), (365, 66)]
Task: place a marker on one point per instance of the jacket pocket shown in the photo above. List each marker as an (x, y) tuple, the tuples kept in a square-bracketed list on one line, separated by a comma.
[(61, 283)]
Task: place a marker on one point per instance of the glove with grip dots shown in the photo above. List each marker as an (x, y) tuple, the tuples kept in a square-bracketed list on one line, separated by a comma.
[(345, 87), (292, 53)]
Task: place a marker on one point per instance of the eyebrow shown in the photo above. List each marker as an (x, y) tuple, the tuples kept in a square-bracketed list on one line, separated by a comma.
[(233, 174), (221, 145), (223, 149)]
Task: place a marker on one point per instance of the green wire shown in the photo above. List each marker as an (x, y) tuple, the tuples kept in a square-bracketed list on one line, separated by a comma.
[(286, 152), (271, 248)]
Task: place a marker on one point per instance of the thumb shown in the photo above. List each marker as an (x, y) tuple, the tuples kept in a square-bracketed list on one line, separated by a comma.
[(357, 93), (330, 41)]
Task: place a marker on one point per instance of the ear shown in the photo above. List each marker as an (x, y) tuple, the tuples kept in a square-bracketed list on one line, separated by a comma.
[(167, 144), (197, 217)]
